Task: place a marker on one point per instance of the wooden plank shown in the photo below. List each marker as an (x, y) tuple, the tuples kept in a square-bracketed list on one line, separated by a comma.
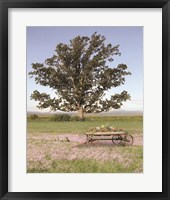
[(105, 133)]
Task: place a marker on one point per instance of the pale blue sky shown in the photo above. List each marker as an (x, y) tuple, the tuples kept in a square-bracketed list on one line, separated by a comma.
[(41, 43)]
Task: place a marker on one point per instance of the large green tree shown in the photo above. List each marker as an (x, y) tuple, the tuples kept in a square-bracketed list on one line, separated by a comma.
[(79, 74)]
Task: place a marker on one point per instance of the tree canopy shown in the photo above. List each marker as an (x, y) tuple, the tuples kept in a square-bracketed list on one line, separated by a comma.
[(79, 74)]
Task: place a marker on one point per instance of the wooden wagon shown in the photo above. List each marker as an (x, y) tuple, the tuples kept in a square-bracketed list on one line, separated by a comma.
[(119, 137)]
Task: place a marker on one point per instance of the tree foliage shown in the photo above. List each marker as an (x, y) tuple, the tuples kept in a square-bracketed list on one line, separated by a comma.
[(79, 74)]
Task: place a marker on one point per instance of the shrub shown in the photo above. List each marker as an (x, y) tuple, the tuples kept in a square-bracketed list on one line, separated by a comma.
[(77, 118), (34, 117), (66, 118), (61, 118), (74, 118)]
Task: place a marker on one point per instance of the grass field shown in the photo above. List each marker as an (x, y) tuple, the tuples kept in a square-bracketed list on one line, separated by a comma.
[(48, 152), (44, 125)]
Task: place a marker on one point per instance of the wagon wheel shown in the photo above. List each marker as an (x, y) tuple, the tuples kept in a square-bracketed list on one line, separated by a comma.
[(117, 139), (128, 140), (89, 139)]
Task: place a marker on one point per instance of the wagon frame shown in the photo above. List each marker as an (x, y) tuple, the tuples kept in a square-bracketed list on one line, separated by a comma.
[(119, 137)]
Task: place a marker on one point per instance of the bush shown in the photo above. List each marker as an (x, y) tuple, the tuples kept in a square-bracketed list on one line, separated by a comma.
[(61, 118), (74, 118), (66, 118), (34, 117)]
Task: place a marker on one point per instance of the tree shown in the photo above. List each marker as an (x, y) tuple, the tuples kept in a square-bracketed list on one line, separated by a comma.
[(80, 75)]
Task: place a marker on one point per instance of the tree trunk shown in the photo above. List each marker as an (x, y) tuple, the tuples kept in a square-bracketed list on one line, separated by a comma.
[(81, 114)]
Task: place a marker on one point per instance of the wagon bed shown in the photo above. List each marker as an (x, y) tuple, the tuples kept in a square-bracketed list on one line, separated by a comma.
[(117, 137)]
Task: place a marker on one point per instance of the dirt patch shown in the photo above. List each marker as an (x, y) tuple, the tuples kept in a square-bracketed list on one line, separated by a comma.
[(74, 138)]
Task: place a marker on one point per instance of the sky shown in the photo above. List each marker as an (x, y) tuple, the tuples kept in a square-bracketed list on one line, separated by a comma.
[(42, 41)]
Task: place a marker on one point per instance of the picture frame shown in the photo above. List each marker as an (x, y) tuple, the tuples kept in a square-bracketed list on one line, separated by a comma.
[(4, 108)]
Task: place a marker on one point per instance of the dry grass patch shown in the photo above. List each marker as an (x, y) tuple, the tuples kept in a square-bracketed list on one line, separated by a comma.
[(51, 153)]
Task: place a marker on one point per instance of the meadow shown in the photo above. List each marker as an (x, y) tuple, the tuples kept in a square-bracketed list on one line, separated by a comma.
[(49, 152)]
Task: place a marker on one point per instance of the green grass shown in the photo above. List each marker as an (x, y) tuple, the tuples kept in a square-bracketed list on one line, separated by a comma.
[(132, 124)]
